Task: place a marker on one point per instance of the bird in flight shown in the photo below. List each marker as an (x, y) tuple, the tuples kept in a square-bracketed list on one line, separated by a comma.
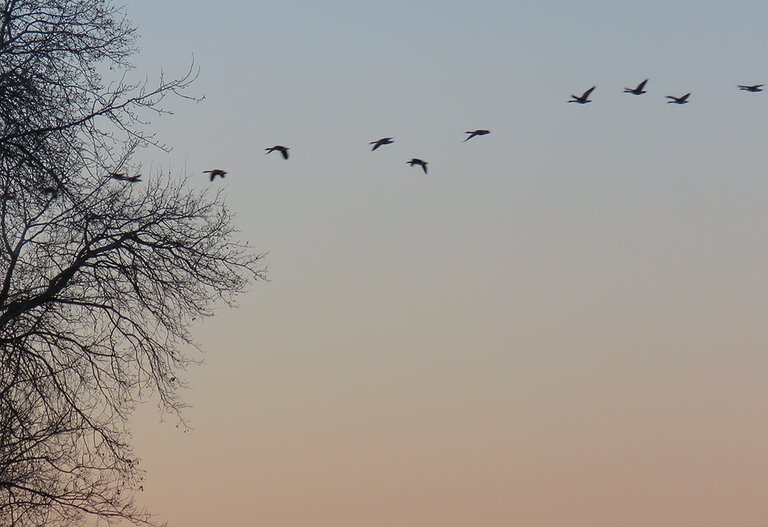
[(282, 149), (753, 88), (475, 133), (637, 91), (678, 100), (584, 98), (216, 172), (120, 176), (415, 161), (48, 190), (381, 142)]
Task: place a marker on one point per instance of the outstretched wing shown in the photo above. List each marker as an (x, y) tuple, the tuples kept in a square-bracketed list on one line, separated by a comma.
[(641, 86), (588, 92)]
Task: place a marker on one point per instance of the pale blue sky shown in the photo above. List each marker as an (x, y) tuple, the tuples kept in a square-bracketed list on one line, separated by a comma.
[(566, 313)]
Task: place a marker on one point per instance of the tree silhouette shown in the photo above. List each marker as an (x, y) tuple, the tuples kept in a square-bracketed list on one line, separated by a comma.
[(100, 279)]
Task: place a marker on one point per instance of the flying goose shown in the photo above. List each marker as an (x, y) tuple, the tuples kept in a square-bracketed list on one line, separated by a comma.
[(678, 100), (215, 172), (637, 91), (381, 142), (753, 88), (120, 176), (282, 149), (475, 133), (584, 98), (415, 161), (52, 192)]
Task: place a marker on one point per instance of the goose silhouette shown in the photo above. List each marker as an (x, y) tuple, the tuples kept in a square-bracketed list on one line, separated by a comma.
[(584, 98), (639, 90), (475, 133), (279, 148), (120, 176), (381, 142), (52, 192), (678, 100), (216, 172), (754, 88), (416, 161)]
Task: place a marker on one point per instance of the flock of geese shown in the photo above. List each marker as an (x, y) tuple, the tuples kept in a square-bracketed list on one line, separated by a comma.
[(578, 99), (640, 90)]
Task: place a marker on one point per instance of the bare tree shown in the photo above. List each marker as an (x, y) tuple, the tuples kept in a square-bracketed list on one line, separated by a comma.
[(100, 278)]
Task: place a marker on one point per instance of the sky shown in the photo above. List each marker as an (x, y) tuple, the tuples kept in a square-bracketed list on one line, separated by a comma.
[(563, 323)]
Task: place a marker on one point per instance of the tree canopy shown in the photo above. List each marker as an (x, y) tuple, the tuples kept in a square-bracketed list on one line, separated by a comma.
[(101, 276)]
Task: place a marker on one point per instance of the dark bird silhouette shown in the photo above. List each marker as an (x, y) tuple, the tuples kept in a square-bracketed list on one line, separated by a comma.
[(678, 100), (415, 161), (637, 91), (282, 149), (753, 88), (381, 142), (475, 133), (7, 196), (52, 192), (215, 172), (122, 177), (584, 98)]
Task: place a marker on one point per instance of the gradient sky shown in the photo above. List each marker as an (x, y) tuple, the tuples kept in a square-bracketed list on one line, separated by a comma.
[(562, 324)]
